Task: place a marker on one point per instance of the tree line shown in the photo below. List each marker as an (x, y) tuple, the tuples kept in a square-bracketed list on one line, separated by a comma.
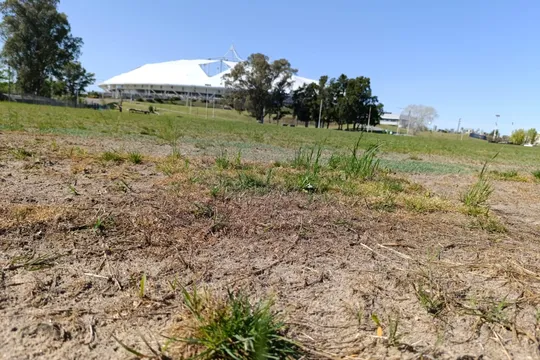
[(40, 55), (265, 89)]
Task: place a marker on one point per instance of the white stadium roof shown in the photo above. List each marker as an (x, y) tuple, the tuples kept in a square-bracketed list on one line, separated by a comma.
[(180, 75)]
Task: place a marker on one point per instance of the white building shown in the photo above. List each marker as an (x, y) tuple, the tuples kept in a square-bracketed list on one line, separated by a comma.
[(182, 78), (390, 119)]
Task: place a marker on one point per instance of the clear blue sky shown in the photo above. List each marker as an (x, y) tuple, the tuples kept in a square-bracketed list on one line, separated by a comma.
[(467, 58)]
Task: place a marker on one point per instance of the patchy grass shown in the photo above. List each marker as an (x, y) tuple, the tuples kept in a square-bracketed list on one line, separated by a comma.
[(135, 157), (511, 175), (488, 223), (536, 174), (231, 328), (21, 153), (112, 156), (229, 126)]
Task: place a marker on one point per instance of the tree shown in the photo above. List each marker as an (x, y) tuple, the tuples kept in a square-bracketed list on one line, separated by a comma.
[(305, 103), (532, 135), (75, 79), (37, 42), (350, 101), (258, 84), (518, 137), (418, 117)]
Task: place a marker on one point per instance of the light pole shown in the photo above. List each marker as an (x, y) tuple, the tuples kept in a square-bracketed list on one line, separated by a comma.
[(496, 134), (207, 85)]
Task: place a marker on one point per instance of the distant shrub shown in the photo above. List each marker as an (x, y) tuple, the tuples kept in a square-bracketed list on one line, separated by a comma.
[(518, 137)]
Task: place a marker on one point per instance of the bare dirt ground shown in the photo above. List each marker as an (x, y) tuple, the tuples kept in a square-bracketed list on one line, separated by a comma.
[(76, 235)]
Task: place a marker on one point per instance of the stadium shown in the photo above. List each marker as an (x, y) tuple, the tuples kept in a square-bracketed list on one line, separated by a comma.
[(184, 79)]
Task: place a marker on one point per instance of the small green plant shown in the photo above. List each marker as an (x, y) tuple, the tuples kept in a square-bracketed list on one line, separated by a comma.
[(431, 299), (393, 337), (142, 286), (99, 225), (112, 156), (222, 161), (73, 190), (536, 174), (135, 157), (488, 223), (479, 193), (234, 328), (21, 153)]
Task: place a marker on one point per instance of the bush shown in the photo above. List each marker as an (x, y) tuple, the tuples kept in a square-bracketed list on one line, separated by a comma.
[(518, 137)]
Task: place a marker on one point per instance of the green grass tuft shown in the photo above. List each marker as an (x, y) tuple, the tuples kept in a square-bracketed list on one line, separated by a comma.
[(479, 193), (21, 153), (135, 157), (234, 328), (112, 156), (536, 174)]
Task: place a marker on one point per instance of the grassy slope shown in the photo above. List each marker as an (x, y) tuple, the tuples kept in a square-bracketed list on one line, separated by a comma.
[(228, 126)]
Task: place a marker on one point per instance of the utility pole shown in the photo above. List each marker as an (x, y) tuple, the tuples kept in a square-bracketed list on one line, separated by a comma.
[(369, 119), (458, 125), (408, 122), (496, 134), (320, 115)]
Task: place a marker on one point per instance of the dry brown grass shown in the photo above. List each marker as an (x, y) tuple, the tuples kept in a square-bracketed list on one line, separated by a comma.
[(385, 248)]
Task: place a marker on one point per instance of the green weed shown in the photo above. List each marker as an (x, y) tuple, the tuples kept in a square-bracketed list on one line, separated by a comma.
[(536, 174), (364, 166), (142, 286), (488, 223), (431, 299), (21, 153), (135, 157), (479, 193), (234, 328), (112, 156)]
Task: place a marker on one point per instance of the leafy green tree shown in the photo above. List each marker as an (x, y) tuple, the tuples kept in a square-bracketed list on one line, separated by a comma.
[(37, 42), (532, 135), (75, 79), (518, 137), (350, 101), (305, 100), (259, 84)]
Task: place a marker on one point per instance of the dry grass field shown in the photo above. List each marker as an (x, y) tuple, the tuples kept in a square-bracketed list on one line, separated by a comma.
[(131, 236)]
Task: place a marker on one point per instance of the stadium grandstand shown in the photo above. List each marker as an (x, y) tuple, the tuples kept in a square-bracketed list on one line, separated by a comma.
[(183, 79)]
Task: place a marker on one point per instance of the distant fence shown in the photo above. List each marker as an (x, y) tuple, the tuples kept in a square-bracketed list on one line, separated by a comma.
[(42, 100)]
